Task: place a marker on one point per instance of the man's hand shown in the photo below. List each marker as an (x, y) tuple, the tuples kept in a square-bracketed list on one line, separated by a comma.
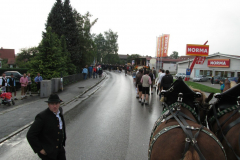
[(43, 152)]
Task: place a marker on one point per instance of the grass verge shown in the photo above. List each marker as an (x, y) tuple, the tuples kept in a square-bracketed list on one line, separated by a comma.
[(202, 87)]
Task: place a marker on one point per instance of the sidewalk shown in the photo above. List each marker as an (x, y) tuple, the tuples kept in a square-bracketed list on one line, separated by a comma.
[(16, 117)]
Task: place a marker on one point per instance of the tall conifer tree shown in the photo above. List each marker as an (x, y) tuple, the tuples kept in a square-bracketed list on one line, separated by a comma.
[(55, 19), (72, 35)]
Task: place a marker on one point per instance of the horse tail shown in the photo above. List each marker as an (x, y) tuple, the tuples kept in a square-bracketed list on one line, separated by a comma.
[(191, 156)]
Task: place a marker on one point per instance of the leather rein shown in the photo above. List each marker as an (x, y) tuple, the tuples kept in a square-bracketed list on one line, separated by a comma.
[(229, 126)]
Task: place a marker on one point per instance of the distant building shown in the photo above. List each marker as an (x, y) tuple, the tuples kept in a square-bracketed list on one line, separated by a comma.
[(123, 57), (8, 54), (216, 64)]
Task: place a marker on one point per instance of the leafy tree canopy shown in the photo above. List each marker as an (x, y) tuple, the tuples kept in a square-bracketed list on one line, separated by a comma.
[(174, 55)]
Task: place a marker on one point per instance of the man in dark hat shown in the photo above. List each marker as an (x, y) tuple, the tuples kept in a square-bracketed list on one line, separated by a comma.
[(47, 134)]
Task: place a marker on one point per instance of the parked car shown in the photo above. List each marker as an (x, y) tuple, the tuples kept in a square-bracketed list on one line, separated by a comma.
[(233, 79), (182, 75), (217, 79), (16, 75), (200, 78)]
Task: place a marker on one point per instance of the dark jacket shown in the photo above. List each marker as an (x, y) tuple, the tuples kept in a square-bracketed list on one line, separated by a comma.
[(151, 75), (45, 133), (166, 81), (138, 78)]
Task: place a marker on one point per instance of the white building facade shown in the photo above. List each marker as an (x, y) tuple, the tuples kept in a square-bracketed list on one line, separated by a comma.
[(214, 65)]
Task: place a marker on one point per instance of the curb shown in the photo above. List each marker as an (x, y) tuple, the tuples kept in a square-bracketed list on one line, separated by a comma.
[(62, 104)]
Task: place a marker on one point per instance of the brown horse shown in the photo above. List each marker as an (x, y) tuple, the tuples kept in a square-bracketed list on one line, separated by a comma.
[(178, 134), (224, 121)]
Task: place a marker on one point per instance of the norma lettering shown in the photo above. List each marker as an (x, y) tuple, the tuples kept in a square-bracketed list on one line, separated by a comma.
[(218, 63), (197, 50)]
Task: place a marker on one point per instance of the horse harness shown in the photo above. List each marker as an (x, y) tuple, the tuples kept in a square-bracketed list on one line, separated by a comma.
[(235, 109), (174, 111)]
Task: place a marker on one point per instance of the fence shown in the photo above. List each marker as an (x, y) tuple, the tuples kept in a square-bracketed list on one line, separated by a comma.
[(72, 79)]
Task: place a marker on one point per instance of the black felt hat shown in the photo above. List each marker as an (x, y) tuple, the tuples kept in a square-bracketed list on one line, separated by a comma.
[(54, 99)]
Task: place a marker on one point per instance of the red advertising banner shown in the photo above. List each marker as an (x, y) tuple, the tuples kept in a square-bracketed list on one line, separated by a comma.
[(219, 63), (165, 45), (159, 46), (200, 60), (197, 50)]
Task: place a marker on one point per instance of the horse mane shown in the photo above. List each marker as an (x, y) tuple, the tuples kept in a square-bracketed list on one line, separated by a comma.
[(191, 155), (203, 98)]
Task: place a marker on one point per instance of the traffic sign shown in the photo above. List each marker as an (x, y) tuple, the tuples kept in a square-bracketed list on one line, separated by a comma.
[(188, 72)]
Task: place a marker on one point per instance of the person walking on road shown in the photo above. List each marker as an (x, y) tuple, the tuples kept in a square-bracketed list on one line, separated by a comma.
[(12, 85), (100, 71), (166, 81), (24, 83), (90, 70), (47, 135), (29, 84), (146, 82), (85, 72), (139, 84), (222, 86), (94, 72), (212, 80), (159, 81), (3, 82), (151, 75), (227, 85), (38, 81)]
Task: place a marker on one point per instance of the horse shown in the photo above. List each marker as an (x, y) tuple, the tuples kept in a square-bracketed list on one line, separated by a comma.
[(224, 120), (178, 133)]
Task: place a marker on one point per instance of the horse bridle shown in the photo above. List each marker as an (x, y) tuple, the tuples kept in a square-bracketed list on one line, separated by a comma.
[(232, 124), (187, 129)]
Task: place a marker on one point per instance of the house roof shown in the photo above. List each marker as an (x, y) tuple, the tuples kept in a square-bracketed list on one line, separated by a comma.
[(8, 54), (11, 60), (123, 56), (214, 55), (186, 57)]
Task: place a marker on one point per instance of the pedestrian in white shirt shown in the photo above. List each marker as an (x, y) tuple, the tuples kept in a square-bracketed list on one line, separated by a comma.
[(157, 80), (160, 79)]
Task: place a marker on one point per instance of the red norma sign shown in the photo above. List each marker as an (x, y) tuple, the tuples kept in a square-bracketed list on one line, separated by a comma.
[(197, 50), (219, 63)]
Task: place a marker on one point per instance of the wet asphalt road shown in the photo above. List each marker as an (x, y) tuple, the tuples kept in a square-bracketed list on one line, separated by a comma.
[(111, 124)]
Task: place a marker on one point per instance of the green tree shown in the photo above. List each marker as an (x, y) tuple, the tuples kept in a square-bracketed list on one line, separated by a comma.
[(55, 19), (70, 68), (174, 55), (5, 63), (49, 61), (71, 33), (111, 45), (88, 48), (132, 57), (25, 56), (99, 41)]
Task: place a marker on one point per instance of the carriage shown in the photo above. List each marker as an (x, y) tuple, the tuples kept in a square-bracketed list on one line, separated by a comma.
[(182, 131)]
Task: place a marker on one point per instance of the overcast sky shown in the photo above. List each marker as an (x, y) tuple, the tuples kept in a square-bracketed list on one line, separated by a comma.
[(137, 23)]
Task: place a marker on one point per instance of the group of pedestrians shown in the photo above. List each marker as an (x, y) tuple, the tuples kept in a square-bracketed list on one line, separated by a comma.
[(92, 71), (9, 84), (145, 79)]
